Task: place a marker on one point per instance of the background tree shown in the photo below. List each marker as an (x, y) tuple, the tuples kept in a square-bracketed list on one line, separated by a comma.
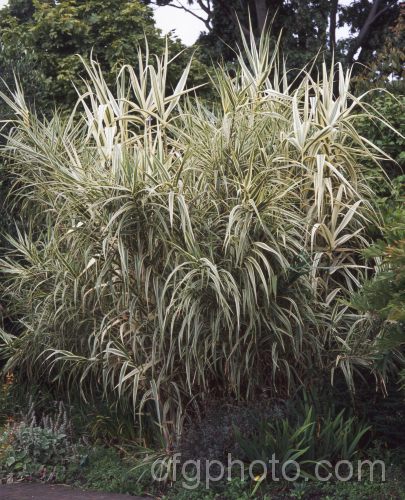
[(307, 25), (49, 35), (370, 21), (385, 75), (222, 17)]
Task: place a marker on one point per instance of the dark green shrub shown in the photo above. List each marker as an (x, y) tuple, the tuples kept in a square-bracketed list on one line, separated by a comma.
[(383, 298), (390, 106)]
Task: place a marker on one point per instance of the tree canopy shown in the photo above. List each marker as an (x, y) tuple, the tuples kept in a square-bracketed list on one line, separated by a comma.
[(40, 40), (308, 26)]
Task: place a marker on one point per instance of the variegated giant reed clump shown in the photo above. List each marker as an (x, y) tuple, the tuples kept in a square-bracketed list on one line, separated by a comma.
[(172, 251)]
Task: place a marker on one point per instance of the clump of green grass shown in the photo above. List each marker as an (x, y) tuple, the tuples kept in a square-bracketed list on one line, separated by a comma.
[(170, 251)]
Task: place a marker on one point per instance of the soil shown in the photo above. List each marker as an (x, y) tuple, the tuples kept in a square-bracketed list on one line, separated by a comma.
[(31, 491)]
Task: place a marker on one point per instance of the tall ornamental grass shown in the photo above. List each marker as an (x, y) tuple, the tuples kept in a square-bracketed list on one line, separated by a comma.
[(172, 251)]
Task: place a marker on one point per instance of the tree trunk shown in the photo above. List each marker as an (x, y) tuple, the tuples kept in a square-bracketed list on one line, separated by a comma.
[(372, 15), (332, 24), (261, 14)]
